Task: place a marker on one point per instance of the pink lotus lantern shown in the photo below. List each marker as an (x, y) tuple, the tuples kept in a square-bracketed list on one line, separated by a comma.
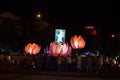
[(32, 48), (60, 49), (77, 42)]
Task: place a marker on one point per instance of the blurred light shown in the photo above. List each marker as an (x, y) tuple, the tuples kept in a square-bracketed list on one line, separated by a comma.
[(114, 61), (9, 58), (112, 35), (119, 65), (94, 32), (91, 30), (32, 48), (89, 27), (38, 15), (3, 50), (77, 42), (116, 58)]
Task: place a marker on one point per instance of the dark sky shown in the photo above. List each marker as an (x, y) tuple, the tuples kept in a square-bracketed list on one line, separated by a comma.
[(102, 13)]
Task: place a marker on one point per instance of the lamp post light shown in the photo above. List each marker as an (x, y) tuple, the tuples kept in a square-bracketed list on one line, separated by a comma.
[(113, 35), (38, 16)]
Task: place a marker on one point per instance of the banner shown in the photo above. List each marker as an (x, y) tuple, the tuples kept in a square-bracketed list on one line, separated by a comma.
[(60, 36)]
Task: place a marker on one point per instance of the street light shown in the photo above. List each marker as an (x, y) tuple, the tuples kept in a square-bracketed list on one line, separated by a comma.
[(38, 16), (112, 35)]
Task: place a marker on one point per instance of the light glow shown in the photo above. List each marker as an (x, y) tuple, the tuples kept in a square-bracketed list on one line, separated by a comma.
[(59, 36), (77, 42), (89, 27), (59, 49), (113, 35), (32, 48), (38, 15)]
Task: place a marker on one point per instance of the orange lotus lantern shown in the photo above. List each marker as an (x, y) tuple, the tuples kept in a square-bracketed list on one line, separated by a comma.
[(60, 49), (32, 48), (77, 42)]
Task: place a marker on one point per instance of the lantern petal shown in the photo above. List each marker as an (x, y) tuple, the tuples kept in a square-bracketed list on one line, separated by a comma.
[(59, 49), (72, 43), (65, 48)]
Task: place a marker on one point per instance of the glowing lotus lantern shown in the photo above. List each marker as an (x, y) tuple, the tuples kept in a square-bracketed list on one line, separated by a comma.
[(32, 48), (60, 49), (77, 42)]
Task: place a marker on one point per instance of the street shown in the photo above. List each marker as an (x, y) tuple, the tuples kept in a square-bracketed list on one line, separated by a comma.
[(13, 76)]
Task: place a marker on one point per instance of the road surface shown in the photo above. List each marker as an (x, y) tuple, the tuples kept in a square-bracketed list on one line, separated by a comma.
[(13, 76)]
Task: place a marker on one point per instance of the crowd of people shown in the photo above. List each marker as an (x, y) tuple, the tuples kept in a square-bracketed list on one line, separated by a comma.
[(59, 63)]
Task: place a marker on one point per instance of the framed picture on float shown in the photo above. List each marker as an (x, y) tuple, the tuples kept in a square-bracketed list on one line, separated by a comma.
[(60, 36)]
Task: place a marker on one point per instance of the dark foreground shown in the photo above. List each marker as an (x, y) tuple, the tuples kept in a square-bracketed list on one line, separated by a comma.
[(15, 73), (13, 76)]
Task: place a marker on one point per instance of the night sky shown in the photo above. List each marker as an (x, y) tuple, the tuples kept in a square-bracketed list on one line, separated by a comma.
[(101, 13), (71, 15)]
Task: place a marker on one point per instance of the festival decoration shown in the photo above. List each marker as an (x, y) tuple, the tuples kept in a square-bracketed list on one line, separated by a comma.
[(32, 48), (77, 42), (60, 36), (60, 49)]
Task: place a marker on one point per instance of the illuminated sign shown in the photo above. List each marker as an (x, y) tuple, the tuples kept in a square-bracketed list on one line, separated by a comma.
[(59, 36)]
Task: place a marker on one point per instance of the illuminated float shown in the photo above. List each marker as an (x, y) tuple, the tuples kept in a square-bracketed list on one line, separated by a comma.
[(60, 49), (32, 48), (77, 42)]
